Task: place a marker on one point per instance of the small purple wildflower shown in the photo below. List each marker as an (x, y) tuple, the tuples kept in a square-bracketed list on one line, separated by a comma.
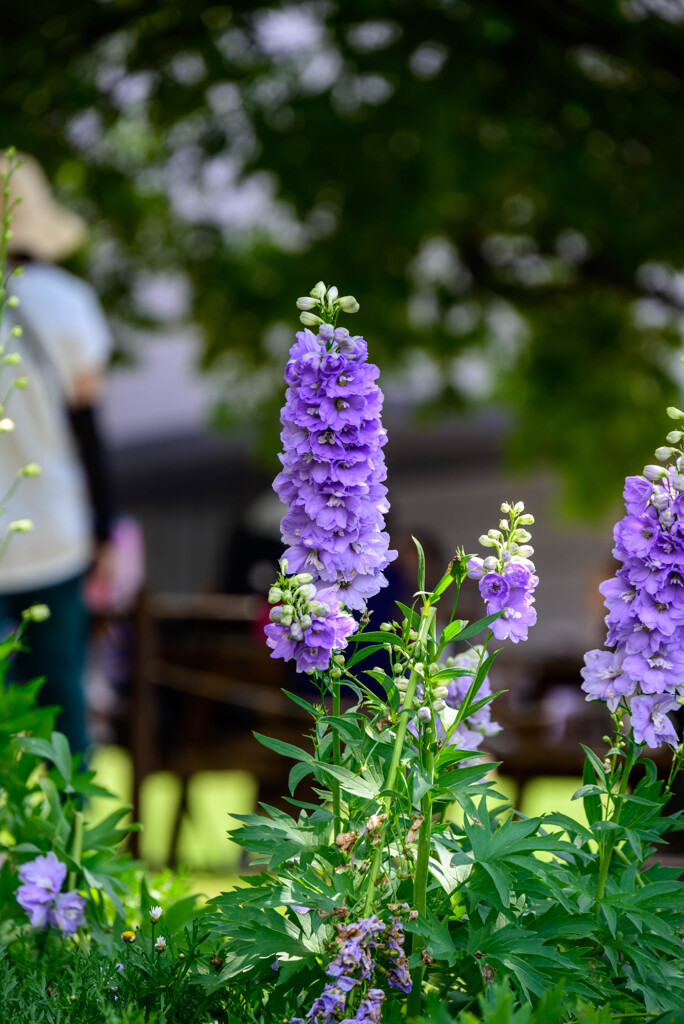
[(41, 897), (306, 625), (644, 671), (470, 731)]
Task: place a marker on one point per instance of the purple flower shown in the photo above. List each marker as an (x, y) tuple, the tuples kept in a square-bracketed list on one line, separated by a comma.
[(495, 589), (68, 912), (41, 898), (333, 466), (308, 629), (645, 602), (470, 731)]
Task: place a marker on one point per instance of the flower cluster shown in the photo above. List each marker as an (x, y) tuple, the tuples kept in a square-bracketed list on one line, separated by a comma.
[(507, 579), (42, 898), (333, 465), (306, 624), (355, 964), (645, 602)]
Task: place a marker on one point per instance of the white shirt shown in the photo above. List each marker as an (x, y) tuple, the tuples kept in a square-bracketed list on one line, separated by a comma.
[(65, 334)]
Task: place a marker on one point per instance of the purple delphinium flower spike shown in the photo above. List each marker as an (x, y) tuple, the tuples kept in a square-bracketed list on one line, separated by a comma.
[(507, 580), (333, 465), (644, 671)]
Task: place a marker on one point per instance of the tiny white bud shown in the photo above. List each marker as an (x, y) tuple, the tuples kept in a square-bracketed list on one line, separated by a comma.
[(6, 426), (332, 294), (302, 577), (486, 542), (36, 613), (423, 714), (525, 551), (505, 507), (21, 526), (348, 304), (522, 536), (652, 473), (401, 684), (310, 320), (307, 592), (503, 524), (155, 914), (17, 331), (306, 303), (21, 383), (674, 437), (490, 563), (275, 595), (495, 535), (13, 301), (12, 359), (674, 413), (663, 453), (318, 291), (519, 507), (440, 691), (160, 944), (438, 705), (526, 520)]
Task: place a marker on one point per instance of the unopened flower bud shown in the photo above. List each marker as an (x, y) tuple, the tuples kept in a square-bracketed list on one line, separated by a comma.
[(318, 291), (663, 453), (674, 413), (503, 524), (401, 684), (285, 616), (306, 303), (654, 473), (30, 470), (331, 294), (13, 301), (440, 691), (12, 359), (495, 535), (6, 425), (674, 437), (348, 304), (275, 595), (486, 542), (385, 627), (36, 613), (522, 536), (423, 714), (21, 526), (302, 577), (526, 520), (128, 936), (524, 552), (490, 563), (438, 705), (160, 944), (307, 592), (17, 331), (21, 383), (507, 553), (519, 507), (505, 507), (310, 320)]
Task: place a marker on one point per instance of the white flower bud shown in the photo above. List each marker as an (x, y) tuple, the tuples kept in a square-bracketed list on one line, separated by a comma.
[(318, 291), (526, 520), (348, 304), (275, 595), (486, 542), (307, 592), (286, 615), (423, 714), (663, 453), (302, 577), (438, 705), (652, 473), (522, 536), (674, 437), (31, 470), (13, 301), (495, 535), (674, 413), (310, 320), (36, 613), (525, 551), (512, 549), (440, 691), (306, 303), (503, 524), (318, 608), (519, 507), (331, 294), (6, 426), (160, 944), (490, 563), (155, 914), (21, 526), (505, 507), (401, 684), (385, 627)]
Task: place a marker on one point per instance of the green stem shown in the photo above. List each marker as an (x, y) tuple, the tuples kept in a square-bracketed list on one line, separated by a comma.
[(421, 877), (76, 846), (337, 758), (608, 845), (427, 619)]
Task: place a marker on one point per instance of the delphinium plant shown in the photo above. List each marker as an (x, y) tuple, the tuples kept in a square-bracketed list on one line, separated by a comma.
[(412, 879)]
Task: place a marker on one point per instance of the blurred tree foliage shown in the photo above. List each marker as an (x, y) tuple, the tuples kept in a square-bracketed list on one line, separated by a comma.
[(498, 183)]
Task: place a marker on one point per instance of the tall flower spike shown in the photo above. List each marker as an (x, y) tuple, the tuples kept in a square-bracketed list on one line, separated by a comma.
[(644, 671), (507, 579), (333, 465)]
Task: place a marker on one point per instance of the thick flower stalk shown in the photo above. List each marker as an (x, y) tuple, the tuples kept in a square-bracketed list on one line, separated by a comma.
[(507, 580), (644, 670), (333, 464), (41, 897), (306, 624)]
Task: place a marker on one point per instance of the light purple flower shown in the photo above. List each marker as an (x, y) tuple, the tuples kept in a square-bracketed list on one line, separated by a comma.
[(47, 872), (68, 912), (650, 722), (41, 898)]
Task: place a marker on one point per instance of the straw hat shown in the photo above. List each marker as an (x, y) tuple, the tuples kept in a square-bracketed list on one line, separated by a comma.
[(41, 227)]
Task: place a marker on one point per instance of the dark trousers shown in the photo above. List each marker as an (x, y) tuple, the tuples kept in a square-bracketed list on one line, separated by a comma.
[(56, 650)]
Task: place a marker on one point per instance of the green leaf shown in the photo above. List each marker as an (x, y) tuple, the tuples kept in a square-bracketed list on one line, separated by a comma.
[(455, 632), (411, 615), (421, 563), (593, 808), (281, 747)]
